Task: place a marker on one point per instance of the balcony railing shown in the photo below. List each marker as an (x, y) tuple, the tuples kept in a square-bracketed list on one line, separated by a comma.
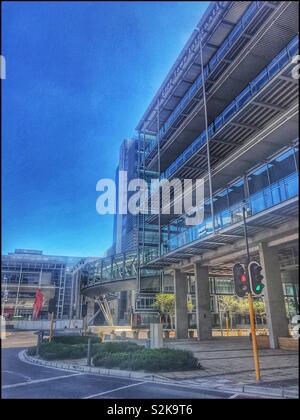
[(208, 69), (268, 197), (268, 73)]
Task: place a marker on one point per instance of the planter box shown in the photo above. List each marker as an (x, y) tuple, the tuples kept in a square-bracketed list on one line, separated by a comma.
[(263, 341), (166, 334), (288, 343), (191, 333)]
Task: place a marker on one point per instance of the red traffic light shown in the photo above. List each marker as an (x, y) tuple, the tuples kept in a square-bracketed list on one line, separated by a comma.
[(241, 281)]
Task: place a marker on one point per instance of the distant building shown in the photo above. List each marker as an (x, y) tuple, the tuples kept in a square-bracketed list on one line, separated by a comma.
[(24, 271)]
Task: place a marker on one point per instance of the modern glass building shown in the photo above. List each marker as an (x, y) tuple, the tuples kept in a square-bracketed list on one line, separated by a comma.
[(24, 271), (227, 113)]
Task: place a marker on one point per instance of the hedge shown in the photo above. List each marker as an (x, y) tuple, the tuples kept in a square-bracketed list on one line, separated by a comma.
[(125, 355), (75, 339), (31, 351), (116, 347), (56, 351), (148, 360)]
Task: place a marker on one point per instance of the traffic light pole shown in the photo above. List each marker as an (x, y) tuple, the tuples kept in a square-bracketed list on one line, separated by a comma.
[(251, 309)]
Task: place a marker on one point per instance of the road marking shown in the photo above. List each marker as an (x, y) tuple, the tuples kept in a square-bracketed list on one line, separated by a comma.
[(37, 381), (113, 390), (233, 396), (28, 378)]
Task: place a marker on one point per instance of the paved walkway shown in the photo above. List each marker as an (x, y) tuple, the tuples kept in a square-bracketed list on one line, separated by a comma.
[(229, 361)]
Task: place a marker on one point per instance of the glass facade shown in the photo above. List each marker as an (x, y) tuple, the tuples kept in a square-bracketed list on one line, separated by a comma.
[(24, 271), (266, 186)]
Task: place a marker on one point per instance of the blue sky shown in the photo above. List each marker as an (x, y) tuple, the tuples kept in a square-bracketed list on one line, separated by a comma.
[(79, 77)]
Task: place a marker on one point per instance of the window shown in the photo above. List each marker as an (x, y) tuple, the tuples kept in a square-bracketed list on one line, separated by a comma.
[(282, 166), (151, 284), (283, 184), (222, 214), (236, 194), (224, 286), (259, 189)]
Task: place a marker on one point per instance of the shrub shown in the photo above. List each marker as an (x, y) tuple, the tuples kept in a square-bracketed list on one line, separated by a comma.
[(116, 347), (110, 360), (52, 351), (149, 360), (75, 339), (31, 351)]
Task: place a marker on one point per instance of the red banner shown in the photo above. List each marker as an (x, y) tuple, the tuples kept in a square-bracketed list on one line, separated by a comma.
[(37, 304)]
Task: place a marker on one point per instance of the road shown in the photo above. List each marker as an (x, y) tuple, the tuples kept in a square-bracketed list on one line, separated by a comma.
[(22, 380)]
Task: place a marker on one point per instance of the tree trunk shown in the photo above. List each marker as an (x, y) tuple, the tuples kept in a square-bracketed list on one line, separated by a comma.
[(221, 322)]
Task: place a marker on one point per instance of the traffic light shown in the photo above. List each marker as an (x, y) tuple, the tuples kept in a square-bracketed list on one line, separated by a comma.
[(241, 282), (256, 277)]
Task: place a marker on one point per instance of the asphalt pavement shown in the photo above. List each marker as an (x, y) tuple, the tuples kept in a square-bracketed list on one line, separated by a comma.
[(22, 380)]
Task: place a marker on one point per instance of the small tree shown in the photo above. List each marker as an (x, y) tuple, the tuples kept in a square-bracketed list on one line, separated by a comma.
[(243, 307), (259, 309), (230, 305), (165, 304), (190, 305)]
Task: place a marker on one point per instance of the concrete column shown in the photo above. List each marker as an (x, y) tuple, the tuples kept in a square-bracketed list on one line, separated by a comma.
[(181, 312), (90, 308), (273, 294), (156, 336), (203, 313)]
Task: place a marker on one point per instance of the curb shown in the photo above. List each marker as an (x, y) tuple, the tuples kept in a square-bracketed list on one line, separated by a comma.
[(241, 389), (93, 370)]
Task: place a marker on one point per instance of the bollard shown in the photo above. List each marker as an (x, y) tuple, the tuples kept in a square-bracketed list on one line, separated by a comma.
[(39, 341), (89, 359), (227, 327), (51, 327)]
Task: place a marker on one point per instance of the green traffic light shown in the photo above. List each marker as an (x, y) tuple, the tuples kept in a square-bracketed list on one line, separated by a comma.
[(259, 287)]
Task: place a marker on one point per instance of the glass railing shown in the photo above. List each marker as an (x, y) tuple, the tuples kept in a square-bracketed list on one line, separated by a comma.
[(237, 104), (268, 197), (208, 69)]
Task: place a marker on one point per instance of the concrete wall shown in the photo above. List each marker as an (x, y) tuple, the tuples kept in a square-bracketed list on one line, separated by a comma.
[(45, 324)]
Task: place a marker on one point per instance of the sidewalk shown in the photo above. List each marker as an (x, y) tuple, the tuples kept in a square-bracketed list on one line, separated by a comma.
[(228, 361)]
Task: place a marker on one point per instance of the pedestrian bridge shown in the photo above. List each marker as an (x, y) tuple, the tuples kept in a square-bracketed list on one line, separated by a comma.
[(112, 274)]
